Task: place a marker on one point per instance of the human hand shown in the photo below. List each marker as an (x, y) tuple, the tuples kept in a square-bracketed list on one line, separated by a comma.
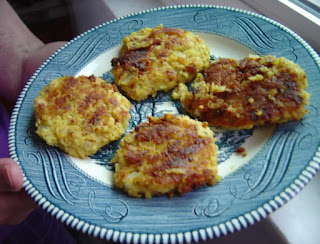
[(21, 53), (15, 203)]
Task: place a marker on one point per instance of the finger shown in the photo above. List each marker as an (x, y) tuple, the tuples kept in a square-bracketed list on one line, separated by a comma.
[(15, 207), (36, 57), (11, 177)]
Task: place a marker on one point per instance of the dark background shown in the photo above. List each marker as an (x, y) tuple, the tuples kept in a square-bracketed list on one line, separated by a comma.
[(49, 20)]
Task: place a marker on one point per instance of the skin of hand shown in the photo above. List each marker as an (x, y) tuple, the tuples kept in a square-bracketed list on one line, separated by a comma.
[(15, 204), (21, 53)]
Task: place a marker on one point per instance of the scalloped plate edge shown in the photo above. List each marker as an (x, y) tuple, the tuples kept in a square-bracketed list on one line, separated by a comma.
[(235, 224)]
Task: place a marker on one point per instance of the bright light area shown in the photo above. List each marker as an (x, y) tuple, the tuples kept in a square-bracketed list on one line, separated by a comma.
[(303, 12), (317, 2)]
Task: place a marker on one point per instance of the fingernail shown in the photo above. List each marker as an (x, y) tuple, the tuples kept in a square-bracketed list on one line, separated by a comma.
[(5, 178)]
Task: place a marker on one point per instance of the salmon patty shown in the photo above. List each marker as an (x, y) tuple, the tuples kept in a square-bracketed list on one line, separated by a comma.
[(244, 93), (157, 59), (80, 115), (166, 156)]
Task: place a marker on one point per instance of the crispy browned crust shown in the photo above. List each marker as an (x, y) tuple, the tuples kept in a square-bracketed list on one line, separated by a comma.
[(252, 91), (80, 115), (157, 59), (168, 155)]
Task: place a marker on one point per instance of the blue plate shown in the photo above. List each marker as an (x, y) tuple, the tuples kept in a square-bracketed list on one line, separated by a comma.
[(280, 159)]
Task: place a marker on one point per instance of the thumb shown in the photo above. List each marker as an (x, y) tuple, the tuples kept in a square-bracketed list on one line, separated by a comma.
[(11, 177), (37, 57)]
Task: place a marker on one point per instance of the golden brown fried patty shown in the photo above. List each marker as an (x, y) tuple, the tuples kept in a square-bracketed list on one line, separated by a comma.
[(157, 59), (80, 115), (168, 155), (252, 91)]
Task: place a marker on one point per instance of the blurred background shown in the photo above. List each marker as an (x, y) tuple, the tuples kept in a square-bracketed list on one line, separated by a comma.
[(50, 20), (53, 20)]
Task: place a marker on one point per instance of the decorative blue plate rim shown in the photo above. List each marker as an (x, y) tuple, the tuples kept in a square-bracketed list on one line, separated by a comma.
[(263, 208)]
